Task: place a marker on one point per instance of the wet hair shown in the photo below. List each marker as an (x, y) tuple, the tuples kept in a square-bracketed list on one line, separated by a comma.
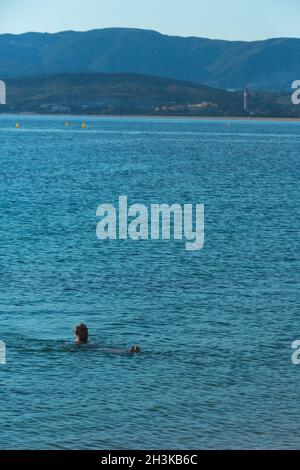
[(82, 332)]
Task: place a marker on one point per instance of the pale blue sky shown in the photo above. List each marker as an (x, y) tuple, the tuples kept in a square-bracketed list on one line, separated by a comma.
[(224, 19)]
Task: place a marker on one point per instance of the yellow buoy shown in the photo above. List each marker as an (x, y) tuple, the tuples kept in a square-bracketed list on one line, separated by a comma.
[(18, 125), (84, 125)]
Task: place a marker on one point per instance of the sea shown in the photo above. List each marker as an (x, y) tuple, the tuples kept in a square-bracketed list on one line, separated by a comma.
[(215, 326)]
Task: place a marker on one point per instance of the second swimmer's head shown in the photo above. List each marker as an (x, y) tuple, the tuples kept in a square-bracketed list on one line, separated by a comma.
[(135, 349), (82, 333)]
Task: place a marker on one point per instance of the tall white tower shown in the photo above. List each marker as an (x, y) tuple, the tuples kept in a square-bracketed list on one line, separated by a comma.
[(246, 95)]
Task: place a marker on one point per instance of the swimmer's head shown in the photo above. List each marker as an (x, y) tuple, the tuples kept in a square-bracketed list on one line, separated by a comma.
[(135, 349), (82, 333)]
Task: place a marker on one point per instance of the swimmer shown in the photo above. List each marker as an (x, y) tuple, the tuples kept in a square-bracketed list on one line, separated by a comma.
[(82, 337), (82, 334)]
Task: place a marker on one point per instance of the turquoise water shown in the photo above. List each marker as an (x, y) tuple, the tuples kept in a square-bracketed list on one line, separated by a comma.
[(215, 326)]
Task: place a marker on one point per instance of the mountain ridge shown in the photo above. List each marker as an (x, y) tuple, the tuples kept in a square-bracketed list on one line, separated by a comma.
[(123, 28), (271, 64)]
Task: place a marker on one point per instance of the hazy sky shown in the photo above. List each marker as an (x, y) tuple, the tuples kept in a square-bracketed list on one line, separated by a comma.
[(225, 19)]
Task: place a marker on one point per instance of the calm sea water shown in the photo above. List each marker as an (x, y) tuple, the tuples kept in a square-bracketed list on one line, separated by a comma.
[(215, 326)]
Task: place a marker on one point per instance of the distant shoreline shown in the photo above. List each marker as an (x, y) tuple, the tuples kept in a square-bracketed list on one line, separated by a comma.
[(149, 116)]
